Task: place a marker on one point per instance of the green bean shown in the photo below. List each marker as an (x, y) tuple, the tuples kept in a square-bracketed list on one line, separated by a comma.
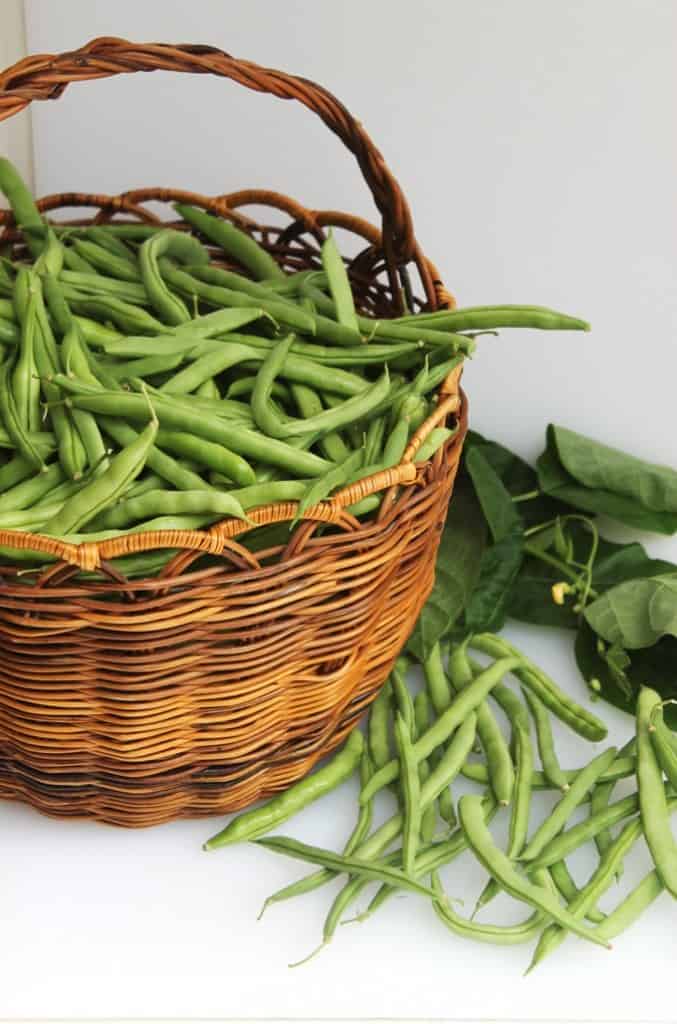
[(103, 238), (41, 439), (600, 798), (496, 751), (421, 724), (255, 823), (581, 786), (25, 385), (105, 260), (393, 330), (569, 891), (233, 241), (359, 834), (50, 260), (103, 490), (7, 310), (172, 503), (374, 440), (207, 366), (438, 688), (620, 769), (74, 261), (346, 412), (467, 701), (29, 519), (56, 303), (245, 385), (290, 284), (632, 907), (569, 840), (339, 283), (201, 283), (576, 717), (9, 332), (352, 356), (179, 246), (71, 450), (25, 493), (519, 818), (610, 862), (269, 493), (77, 283), (309, 404), (663, 744), (130, 318), (377, 730), (20, 435), (15, 471), (396, 444), (320, 488), (502, 935), (491, 317), (544, 739), (501, 868), (209, 389), (176, 416), (411, 791), (26, 213), (161, 463), (436, 438), (149, 366), (143, 484), (652, 800), (96, 333), (206, 453), (430, 859), (577, 792)]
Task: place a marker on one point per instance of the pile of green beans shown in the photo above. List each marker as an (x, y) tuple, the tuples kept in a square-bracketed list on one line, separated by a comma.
[(140, 383), (403, 755)]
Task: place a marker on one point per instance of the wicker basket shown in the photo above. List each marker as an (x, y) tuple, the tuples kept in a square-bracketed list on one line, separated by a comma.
[(225, 678)]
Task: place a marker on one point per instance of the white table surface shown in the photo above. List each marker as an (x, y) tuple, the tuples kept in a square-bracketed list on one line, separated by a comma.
[(536, 144)]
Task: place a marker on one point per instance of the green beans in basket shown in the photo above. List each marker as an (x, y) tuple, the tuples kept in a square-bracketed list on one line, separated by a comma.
[(98, 321)]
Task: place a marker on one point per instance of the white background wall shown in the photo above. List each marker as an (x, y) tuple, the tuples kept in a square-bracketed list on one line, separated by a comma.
[(536, 143), (16, 139)]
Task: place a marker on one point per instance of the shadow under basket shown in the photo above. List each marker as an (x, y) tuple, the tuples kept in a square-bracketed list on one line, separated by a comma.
[(228, 675)]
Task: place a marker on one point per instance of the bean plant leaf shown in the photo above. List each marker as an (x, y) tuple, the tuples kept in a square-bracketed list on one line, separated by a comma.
[(603, 480), (654, 666), (518, 478), (497, 505), (636, 613), (487, 609), (457, 569)]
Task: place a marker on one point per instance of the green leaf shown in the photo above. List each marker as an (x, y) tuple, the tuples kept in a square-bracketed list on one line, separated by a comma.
[(456, 570), (497, 505), (518, 477), (653, 666), (488, 606), (636, 613), (602, 480)]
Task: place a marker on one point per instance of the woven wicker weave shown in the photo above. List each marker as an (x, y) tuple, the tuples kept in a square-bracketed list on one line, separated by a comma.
[(226, 678)]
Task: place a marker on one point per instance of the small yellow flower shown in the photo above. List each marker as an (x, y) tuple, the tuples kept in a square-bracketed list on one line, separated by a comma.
[(559, 590)]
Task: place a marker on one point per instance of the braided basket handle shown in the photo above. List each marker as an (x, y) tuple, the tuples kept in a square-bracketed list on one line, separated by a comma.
[(44, 77)]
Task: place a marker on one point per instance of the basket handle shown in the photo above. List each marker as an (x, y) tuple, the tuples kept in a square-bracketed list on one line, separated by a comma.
[(44, 77)]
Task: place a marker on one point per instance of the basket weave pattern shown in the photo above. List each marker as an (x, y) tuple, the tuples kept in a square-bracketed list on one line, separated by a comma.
[(219, 682)]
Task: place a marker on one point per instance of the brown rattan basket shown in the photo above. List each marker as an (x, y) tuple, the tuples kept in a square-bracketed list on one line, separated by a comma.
[(225, 678)]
